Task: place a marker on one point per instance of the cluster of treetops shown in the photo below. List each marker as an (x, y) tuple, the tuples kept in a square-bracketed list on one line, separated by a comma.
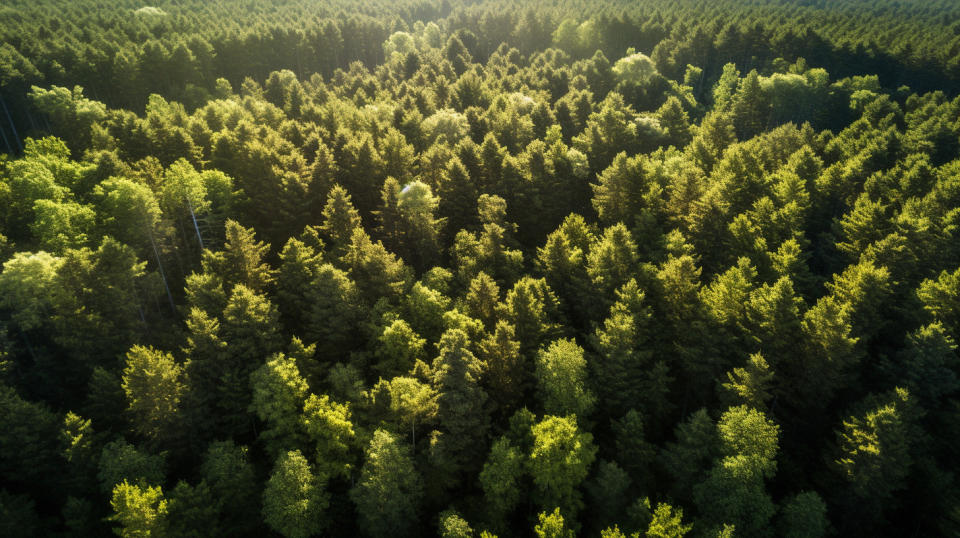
[(122, 53), (503, 276)]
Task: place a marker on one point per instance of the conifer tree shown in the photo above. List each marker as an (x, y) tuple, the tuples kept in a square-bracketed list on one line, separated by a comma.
[(389, 490)]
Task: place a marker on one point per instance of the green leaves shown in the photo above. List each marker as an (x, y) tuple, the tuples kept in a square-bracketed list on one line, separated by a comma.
[(389, 489), (635, 68), (561, 379), (751, 384), (63, 225), (803, 515), (559, 462), (399, 348), (241, 260), (122, 462), (552, 526), (154, 385), (734, 489), (328, 424), (667, 522), (875, 445), (278, 395), (27, 287), (464, 421), (519, 258), (749, 441), (140, 510), (294, 499), (501, 480), (73, 114), (340, 218)]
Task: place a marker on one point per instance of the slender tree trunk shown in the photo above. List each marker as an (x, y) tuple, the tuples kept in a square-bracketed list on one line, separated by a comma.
[(195, 226), (33, 123), (163, 276)]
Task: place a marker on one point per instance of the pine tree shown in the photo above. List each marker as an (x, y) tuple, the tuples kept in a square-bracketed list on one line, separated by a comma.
[(340, 219), (335, 310), (561, 380), (559, 462), (501, 480), (141, 510), (389, 490), (506, 376), (294, 499), (241, 260), (328, 424), (751, 384), (300, 263), (751, 108), (875, 452), (154, 385), (398, 350), (626, 376), (278, 395), (461, 403), (675, 122), (532, 308)]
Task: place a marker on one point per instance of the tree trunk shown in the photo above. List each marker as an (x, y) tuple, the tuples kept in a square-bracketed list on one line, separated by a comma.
[(163, 276), (195, 226)]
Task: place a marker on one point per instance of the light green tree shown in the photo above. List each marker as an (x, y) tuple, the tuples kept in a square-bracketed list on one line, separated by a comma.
[(154, 385), (562, 379), (559, 462), (734, 490), (27, 287), (141, 510), (552, 525), (278, 395), (62, 225), (294, 499), (667, 522), (751, 384), (398, 349), (413, 402), (328, 425)]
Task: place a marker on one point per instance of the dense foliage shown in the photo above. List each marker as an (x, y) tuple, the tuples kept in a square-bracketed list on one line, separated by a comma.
[(656, 268)]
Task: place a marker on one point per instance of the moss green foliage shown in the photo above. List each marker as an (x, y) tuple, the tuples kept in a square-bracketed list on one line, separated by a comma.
[(655, 268), (294, 499), (141, 511)]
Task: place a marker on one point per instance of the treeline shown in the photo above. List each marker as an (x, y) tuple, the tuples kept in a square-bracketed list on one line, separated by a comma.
[(179, 49), (506, 275)]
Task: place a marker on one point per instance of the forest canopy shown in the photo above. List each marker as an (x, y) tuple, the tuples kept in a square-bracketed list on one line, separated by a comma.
[(475, 268)]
